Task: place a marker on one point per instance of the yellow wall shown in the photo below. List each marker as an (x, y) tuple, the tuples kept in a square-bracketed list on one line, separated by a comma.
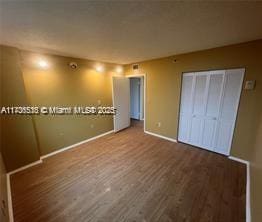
[(25, 138), (164, 83), (3, 193), (18, 142), (60, 85)]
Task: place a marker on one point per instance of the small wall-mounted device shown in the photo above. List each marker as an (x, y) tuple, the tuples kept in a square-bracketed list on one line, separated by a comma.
[(73, 65), (250, 84), (135, 66)]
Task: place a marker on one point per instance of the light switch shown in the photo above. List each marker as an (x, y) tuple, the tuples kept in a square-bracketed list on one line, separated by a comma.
[(250, 84)]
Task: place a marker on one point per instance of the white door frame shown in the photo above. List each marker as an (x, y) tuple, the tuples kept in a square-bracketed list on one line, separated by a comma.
[(144, 86)]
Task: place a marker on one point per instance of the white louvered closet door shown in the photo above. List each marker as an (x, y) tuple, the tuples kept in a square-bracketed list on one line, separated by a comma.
[(198, 108), (186, 107), (212, 103), (228, 110), (209, 102)]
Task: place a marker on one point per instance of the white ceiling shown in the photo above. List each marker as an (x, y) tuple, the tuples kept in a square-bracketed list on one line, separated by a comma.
[(127, 32)]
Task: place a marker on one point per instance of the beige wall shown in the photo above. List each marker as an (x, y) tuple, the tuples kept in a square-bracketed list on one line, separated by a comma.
[(3, 192), (18, 142), (26, 138), (164, 83), (60, 85)]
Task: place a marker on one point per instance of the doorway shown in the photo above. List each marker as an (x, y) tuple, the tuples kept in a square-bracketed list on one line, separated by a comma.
[(136, 98)]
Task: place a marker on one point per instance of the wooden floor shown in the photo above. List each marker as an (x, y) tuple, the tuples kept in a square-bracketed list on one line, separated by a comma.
[(131, 176)]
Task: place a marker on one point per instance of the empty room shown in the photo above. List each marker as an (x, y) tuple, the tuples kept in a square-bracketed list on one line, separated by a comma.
[(130, 111)]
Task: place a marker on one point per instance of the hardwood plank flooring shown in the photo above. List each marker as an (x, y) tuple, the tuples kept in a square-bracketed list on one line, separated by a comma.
[(131, 176)]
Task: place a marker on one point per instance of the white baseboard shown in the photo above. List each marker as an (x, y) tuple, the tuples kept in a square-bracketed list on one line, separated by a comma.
[(248, 207), (9, 191), (56, 152), (238, 160), (76, 144), (9, 199), (160, 136), (25, 167)]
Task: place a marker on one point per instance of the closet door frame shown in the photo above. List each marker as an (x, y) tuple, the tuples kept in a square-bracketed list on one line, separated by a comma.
[(221, 96)]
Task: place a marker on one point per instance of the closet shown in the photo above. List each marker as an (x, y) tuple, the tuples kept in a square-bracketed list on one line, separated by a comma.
[(208, 108)]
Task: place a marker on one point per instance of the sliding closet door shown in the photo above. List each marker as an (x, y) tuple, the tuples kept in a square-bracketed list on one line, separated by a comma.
[(228, 110)]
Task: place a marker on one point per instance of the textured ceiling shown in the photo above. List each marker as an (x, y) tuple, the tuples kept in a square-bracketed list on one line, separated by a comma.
[(127, 32)]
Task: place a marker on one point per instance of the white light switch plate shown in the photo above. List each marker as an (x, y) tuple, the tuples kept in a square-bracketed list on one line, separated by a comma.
[(250, 84)]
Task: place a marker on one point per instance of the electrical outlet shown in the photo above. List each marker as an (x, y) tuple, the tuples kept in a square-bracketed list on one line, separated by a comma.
[(99, 102), (159, 124), (92, 126), (61, 134)]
